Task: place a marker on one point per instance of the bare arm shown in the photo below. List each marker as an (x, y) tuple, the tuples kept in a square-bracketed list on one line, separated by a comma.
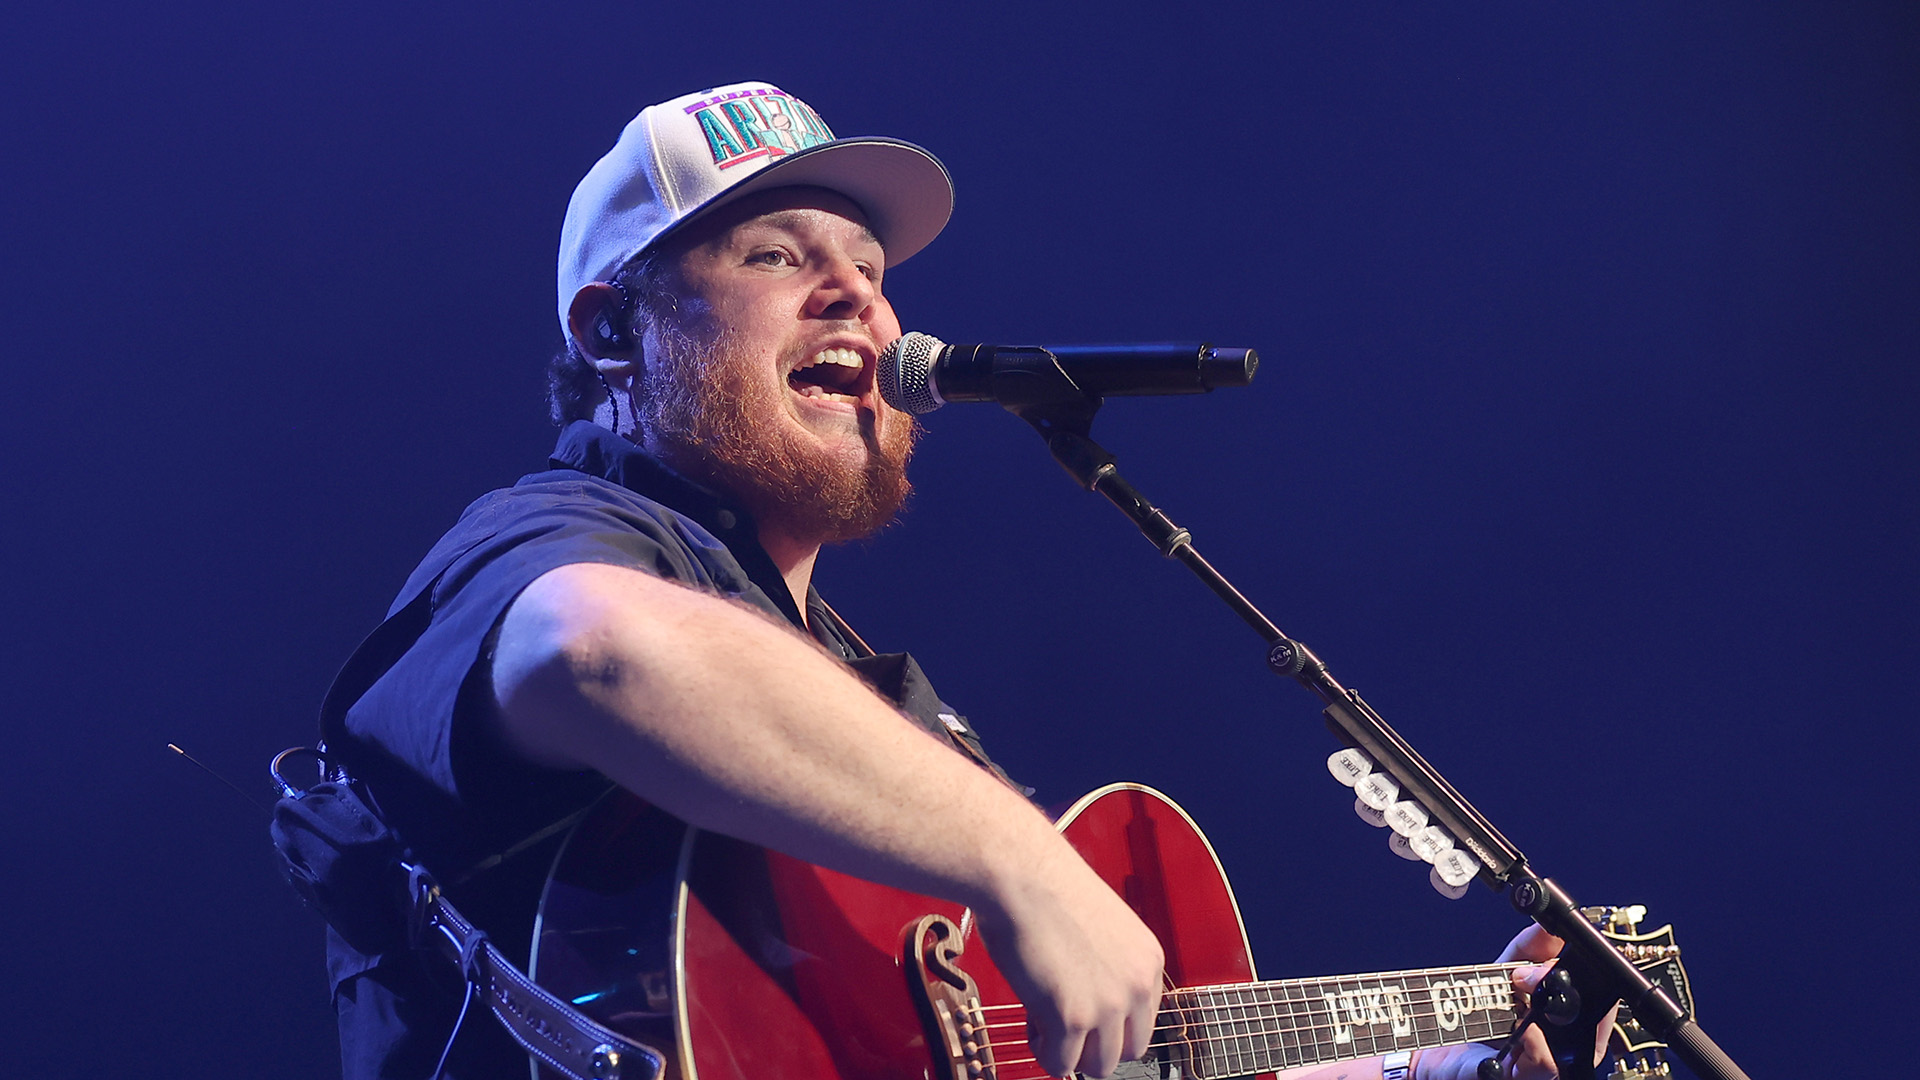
[(736, 725)]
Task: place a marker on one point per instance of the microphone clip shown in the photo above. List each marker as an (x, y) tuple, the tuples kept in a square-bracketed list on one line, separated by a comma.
[(1031, 381), (1066, 426)]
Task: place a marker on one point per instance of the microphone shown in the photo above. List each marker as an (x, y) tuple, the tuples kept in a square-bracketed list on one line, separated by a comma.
[(919, 372)]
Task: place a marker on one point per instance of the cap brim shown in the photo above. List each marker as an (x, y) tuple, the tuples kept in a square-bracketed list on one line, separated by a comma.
[(904, 190)]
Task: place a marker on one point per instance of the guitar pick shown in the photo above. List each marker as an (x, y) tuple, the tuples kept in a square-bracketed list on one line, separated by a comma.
[(1406, 817), (1455, 867), (1377, 790), (1349, 766), (1368, 814), (1429, 842), (1399, 846), (1451, 892)]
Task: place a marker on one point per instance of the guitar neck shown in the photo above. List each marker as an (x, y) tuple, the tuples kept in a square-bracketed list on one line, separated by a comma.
[(1263, 1027)]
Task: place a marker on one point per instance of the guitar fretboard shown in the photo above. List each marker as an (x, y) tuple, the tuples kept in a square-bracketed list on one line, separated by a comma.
[(1263, 1027)]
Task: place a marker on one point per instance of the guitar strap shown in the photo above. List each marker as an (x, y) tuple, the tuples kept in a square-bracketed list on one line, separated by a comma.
[(344, 860), (342, 857), (897, 677)]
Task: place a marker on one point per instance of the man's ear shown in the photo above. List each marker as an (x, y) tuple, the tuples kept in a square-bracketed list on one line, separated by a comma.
[(603, 326)]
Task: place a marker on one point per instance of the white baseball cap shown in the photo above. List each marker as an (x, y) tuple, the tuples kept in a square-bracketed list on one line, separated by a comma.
[(680, 159)]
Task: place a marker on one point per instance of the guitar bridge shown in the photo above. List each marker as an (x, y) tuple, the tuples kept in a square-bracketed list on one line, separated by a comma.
[(949, 1001)]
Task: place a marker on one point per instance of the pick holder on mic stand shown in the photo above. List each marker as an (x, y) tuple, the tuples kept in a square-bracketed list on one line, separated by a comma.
[(1591, 975)]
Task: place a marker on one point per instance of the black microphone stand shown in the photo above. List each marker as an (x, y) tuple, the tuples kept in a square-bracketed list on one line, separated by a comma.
[(1591, 975)]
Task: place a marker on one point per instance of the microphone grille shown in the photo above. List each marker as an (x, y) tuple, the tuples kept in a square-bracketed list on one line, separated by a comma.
[(906, 373)]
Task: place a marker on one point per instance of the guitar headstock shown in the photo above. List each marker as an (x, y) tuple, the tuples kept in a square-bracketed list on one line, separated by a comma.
[(1658, 958)]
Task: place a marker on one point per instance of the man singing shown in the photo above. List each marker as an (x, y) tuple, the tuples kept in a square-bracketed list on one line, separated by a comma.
[(643, 613)]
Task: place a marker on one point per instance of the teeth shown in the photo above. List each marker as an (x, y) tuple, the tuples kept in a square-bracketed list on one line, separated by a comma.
[(811, 391), (837, 357), (840, 358)]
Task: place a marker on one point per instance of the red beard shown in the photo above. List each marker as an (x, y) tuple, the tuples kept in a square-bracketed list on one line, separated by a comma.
[(711, 415)]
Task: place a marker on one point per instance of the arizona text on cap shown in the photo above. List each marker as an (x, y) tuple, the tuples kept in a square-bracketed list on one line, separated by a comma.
[(678, 160)]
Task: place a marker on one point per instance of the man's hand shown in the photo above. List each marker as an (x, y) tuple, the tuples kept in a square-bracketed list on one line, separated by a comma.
[(1087, 968), (1531, 1060)]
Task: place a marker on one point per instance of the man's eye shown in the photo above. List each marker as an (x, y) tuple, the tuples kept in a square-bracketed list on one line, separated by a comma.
[(771, 257)]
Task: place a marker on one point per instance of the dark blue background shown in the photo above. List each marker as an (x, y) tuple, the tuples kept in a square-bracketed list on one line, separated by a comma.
[(1584, 446)]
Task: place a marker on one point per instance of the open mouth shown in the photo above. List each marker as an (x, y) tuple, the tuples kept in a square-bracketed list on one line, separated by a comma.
[(831, 374)]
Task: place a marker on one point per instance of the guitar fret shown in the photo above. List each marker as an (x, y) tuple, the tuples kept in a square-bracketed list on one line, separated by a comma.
[(1303, 1006), (1218, 1044), (1235, 1065), (1277, 1057), (1319, 1017), (1239, 1050), (1254, 1030), (1231, 1048), (1279, 1054), (1264, 1027), (1358, 1026), (1426, 1028), (1268, 1029), (1282, 1044), (1420, 1028), (1433, 1035), (1259, 1028), (1206, 1050), (1222, 1038)]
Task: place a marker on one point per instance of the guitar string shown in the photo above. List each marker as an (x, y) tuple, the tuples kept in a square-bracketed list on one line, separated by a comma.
[(1504, 967), (1417, 1040), (1236, 1060), (1236, 1055), (1310, 1050), (1291, 1009), (1261, 1016), (1322, 1017), (1316, 1019), (1304, 1021), (1321, 1027), (1497, 967), (1294, 1006), (1305, 1051)]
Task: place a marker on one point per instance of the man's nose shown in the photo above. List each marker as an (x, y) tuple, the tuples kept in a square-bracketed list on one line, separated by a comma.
[(844, 293)]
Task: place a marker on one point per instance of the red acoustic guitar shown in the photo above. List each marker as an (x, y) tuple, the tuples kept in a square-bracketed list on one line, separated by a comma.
[(744, 964)]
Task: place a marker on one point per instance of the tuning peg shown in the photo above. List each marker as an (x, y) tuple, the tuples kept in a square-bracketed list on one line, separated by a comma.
[(1616, 920)]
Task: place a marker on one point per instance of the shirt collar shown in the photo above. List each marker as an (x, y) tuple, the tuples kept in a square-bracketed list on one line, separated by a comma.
[(587, 447)]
